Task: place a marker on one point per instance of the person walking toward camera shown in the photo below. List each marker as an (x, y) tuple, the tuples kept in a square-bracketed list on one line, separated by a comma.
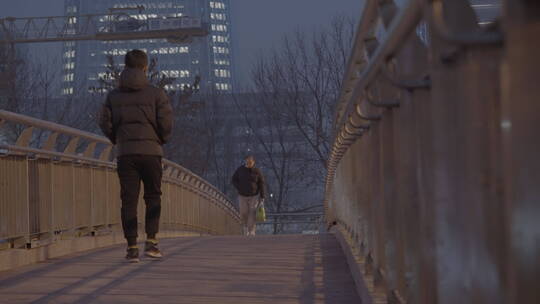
[(249, 182), (137, 119)]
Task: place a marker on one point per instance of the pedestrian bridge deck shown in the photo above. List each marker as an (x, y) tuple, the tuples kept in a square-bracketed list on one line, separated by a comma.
[(224, 269)]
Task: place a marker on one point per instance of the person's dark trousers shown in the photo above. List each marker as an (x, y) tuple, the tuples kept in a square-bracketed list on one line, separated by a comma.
[(131, 170)]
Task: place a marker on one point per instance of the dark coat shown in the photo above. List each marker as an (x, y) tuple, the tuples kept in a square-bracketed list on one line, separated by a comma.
[(249, 181), (136, 117)]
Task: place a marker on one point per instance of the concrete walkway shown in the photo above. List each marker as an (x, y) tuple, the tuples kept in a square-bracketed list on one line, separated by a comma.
[(264, 269)]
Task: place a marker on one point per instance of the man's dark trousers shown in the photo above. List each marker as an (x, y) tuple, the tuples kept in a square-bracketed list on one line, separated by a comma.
[(131, 170)]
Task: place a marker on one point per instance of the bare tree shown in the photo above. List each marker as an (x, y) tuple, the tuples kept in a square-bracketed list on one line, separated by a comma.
[(218, 123), (297, 86), (306, 71), (275, 146), (31, 88)]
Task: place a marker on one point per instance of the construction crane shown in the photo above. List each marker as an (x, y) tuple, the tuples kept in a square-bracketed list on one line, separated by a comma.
[(112, 26), (116, 25)]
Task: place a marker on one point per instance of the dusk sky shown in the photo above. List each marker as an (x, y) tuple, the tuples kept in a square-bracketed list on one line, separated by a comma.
[(257, 24)]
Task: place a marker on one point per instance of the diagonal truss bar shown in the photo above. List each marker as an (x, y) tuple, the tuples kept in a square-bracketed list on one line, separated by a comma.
[(93, 27)]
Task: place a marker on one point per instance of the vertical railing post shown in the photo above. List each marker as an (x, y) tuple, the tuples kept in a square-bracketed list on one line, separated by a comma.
[(417, 284), (520, 126), (463, 173)]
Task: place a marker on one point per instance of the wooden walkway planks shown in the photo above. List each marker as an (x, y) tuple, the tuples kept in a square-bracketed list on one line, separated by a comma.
[(232, 269)]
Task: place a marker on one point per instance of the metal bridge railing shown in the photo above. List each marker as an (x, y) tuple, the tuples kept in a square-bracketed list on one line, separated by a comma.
[(434, 171), (58, 180)]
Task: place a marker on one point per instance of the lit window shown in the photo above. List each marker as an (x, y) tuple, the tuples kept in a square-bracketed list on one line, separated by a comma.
[(219, 28), (175, 73), (69, 66), (68, 77), (219, 38), (220, 50), (69, 54), (217, 16), (222, 86), (217, 5), (67, 91), (222, 62), (223, 73)]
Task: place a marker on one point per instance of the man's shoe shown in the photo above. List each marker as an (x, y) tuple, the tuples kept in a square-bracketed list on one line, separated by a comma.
[(151, 250), (132, 255)]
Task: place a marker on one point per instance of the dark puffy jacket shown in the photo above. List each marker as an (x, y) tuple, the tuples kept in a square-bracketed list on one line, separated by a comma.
[(249, 181), (136, 117)]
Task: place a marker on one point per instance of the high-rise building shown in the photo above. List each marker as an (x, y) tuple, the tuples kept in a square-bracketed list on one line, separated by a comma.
[(210, 57)]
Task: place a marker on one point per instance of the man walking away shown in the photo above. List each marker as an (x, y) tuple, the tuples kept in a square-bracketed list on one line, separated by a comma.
[(137, 118), (249, 182)]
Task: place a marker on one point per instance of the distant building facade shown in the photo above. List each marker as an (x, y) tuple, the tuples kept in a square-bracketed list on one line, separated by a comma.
[(85, 62)]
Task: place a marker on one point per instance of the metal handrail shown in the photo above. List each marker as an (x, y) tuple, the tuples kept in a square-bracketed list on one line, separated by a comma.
[(204, 182), (58, 128), (51, 126), (40, 152), (12, 156), (366, 19), (403, 23)]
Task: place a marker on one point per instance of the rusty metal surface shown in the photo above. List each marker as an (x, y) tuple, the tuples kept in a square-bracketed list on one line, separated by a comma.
[(226, 269), (441, 192), (47, 190)]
